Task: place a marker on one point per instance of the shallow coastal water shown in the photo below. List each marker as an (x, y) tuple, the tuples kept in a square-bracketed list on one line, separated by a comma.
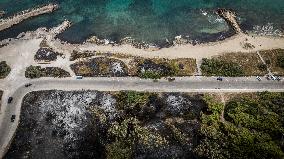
[(152, 21)]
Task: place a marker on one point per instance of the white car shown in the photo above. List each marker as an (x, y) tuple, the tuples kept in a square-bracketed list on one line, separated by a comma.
[(258, 78)]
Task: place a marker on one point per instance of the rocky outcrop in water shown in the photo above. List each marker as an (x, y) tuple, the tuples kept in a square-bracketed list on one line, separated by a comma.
[(230, 18), (2, 13), (17, 18)]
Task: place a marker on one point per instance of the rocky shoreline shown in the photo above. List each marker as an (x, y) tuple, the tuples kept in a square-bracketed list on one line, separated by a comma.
[(228, 15), (2, 13), (26, 14)]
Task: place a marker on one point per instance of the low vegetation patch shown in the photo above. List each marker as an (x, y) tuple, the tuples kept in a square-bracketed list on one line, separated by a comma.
[(37, 72), (214, 67), (275, 60), (158, 68), (100, 66), (234, 64), (80, 55), (46, 54), (4, 69), (252, 128)]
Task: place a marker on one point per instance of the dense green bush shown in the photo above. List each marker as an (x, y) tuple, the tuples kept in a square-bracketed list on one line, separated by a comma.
[(155, 70), (150, 75), (4, 69), (253, 128), (37, 72), (262, 67), (214, 67)]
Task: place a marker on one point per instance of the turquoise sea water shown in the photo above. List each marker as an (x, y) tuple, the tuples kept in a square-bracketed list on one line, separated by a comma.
[(149, 20)]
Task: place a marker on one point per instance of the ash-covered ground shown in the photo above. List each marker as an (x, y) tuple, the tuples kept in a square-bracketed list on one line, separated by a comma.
[(92, 124)]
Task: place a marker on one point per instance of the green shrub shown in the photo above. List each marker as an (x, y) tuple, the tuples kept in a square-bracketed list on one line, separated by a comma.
[(37, 72), (33, 72), (118, 150), (150, 74), (214, 67), (262, 67), (4, 69), (253, 128)]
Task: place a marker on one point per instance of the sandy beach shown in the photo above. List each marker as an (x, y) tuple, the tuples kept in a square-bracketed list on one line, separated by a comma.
[(199, 51)]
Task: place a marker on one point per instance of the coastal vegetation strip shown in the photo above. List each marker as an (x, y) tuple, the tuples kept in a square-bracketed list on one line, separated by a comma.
[(4, 69), (10, 21), (151, 125), (234, 65), (275, 60), (139, 67), (160, 67), (37, 72)]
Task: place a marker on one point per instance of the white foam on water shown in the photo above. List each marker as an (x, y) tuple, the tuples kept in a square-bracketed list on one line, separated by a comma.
[(267, 29)]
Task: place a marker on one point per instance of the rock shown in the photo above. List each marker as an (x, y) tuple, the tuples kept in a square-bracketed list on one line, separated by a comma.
[(2, 13)]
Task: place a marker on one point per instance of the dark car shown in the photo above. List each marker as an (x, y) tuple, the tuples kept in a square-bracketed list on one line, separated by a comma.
[(13, 117), (171, 79), (10, 99), (27, 85), (219, 79)]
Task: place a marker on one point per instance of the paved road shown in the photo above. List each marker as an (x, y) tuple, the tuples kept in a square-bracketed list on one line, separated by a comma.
[(185, 84)]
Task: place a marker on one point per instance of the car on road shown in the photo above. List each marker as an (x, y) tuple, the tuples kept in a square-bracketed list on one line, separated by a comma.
[(258, 78), (10, 99), (219, 79), (13, 117), (28, 85), (79, 77), (278, 78), (273, 77), (171, 79)]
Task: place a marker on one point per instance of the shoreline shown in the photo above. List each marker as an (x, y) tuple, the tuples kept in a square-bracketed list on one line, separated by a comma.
[(26, 14), (233, 44)]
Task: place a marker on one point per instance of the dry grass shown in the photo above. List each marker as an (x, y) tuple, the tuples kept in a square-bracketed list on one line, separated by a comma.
[(187, 66), (270, 56), (249, 62), (230, 96), (84, 70), (183, 66)]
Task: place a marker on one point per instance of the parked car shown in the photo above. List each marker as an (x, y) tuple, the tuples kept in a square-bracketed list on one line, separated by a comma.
[(278, 78), (27, 85), (13, 117), (219, 79), (10, 99), (258, 78)]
